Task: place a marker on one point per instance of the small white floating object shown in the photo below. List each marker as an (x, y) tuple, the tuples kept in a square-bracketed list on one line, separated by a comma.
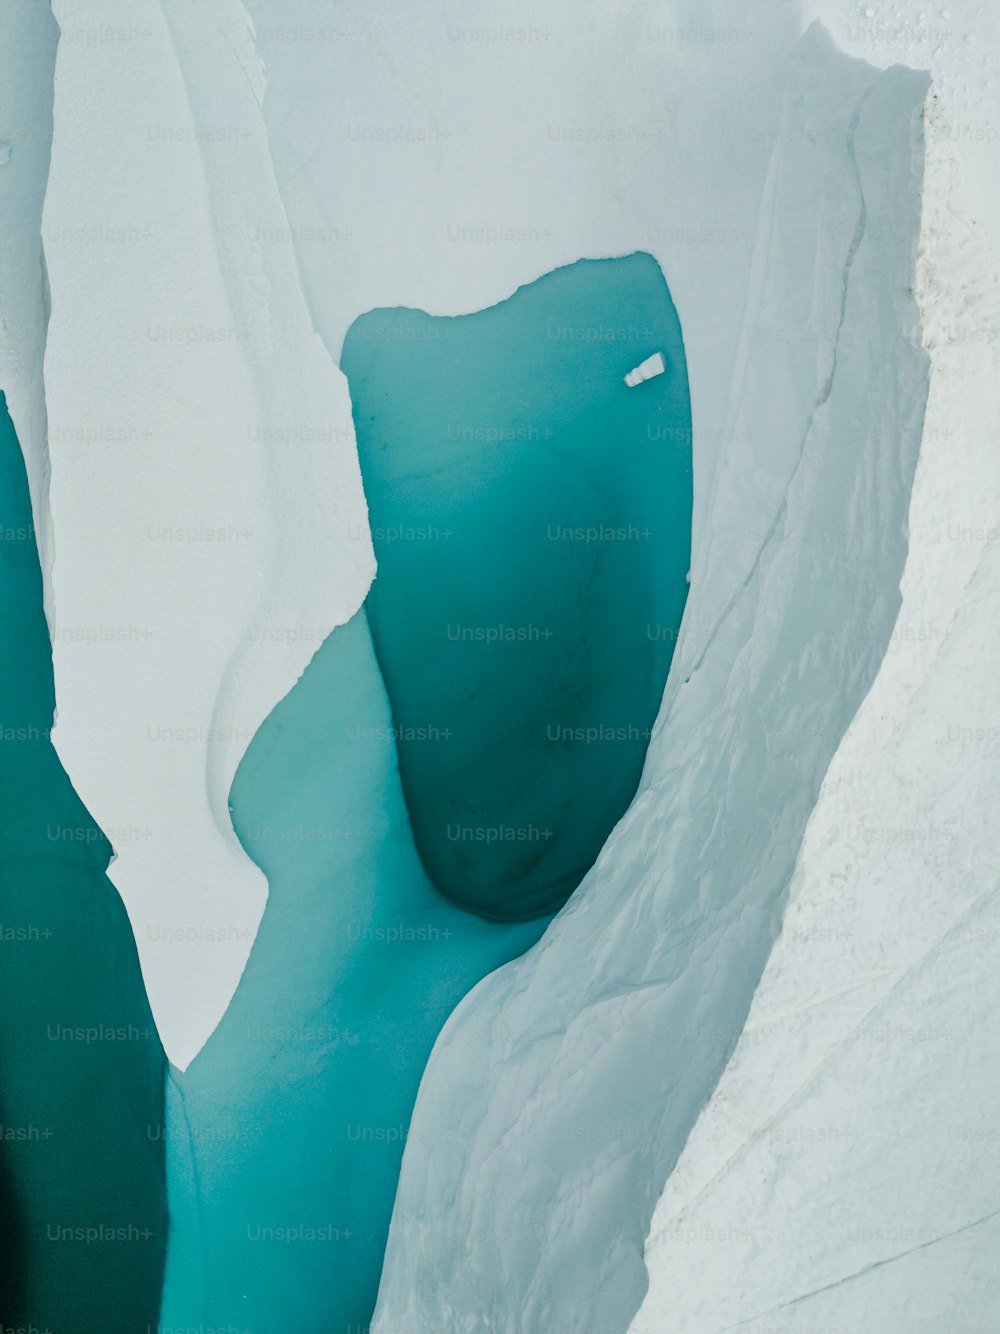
[(646, 370)]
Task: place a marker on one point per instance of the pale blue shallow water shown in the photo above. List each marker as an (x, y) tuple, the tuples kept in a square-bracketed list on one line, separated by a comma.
[(286, 1133)]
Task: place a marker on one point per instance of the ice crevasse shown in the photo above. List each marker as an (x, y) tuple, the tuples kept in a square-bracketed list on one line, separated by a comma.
[(606, 1043), (683, 1107)]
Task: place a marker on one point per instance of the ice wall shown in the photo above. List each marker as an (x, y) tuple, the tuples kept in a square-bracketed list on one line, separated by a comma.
[(840, 1177), (285, 1133), (205, 485), (75, 1109), (578, 1072), (28, 36), (439, 157), (184, 378)]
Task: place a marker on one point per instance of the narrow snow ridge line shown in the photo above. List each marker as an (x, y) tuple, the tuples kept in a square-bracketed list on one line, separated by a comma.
[(863, 1273), (822, 397)]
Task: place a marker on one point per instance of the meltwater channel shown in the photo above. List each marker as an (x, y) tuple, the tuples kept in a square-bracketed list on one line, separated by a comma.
[(444, 773)]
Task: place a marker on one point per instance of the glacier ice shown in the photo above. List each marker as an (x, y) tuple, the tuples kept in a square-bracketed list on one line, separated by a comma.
[(74, 1112), (286, 1131), (530, 154), (596, 1052), (800, 533), (290, 1124), (204, 475), (28, 37), (646, 370), (842, 1163)]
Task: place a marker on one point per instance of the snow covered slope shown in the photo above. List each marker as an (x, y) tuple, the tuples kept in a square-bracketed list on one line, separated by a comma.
[(841, 1176), (578, 1072), (205, 487)]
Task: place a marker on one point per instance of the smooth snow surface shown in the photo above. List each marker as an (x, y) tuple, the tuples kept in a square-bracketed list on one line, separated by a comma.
[(205, 486)]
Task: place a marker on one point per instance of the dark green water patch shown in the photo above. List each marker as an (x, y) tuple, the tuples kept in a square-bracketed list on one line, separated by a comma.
[(83, 1224), (531, 517)]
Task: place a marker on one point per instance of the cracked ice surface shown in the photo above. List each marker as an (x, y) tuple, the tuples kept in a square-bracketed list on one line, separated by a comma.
[(579, 1071), (201, 557)]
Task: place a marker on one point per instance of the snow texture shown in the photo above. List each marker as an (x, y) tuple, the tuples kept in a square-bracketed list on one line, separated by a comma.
[(839, 1178), (205, 485), (436, 158)]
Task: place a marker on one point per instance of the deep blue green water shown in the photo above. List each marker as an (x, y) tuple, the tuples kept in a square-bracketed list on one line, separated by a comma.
[(514, 482), (531, 517), (83, 1228)]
